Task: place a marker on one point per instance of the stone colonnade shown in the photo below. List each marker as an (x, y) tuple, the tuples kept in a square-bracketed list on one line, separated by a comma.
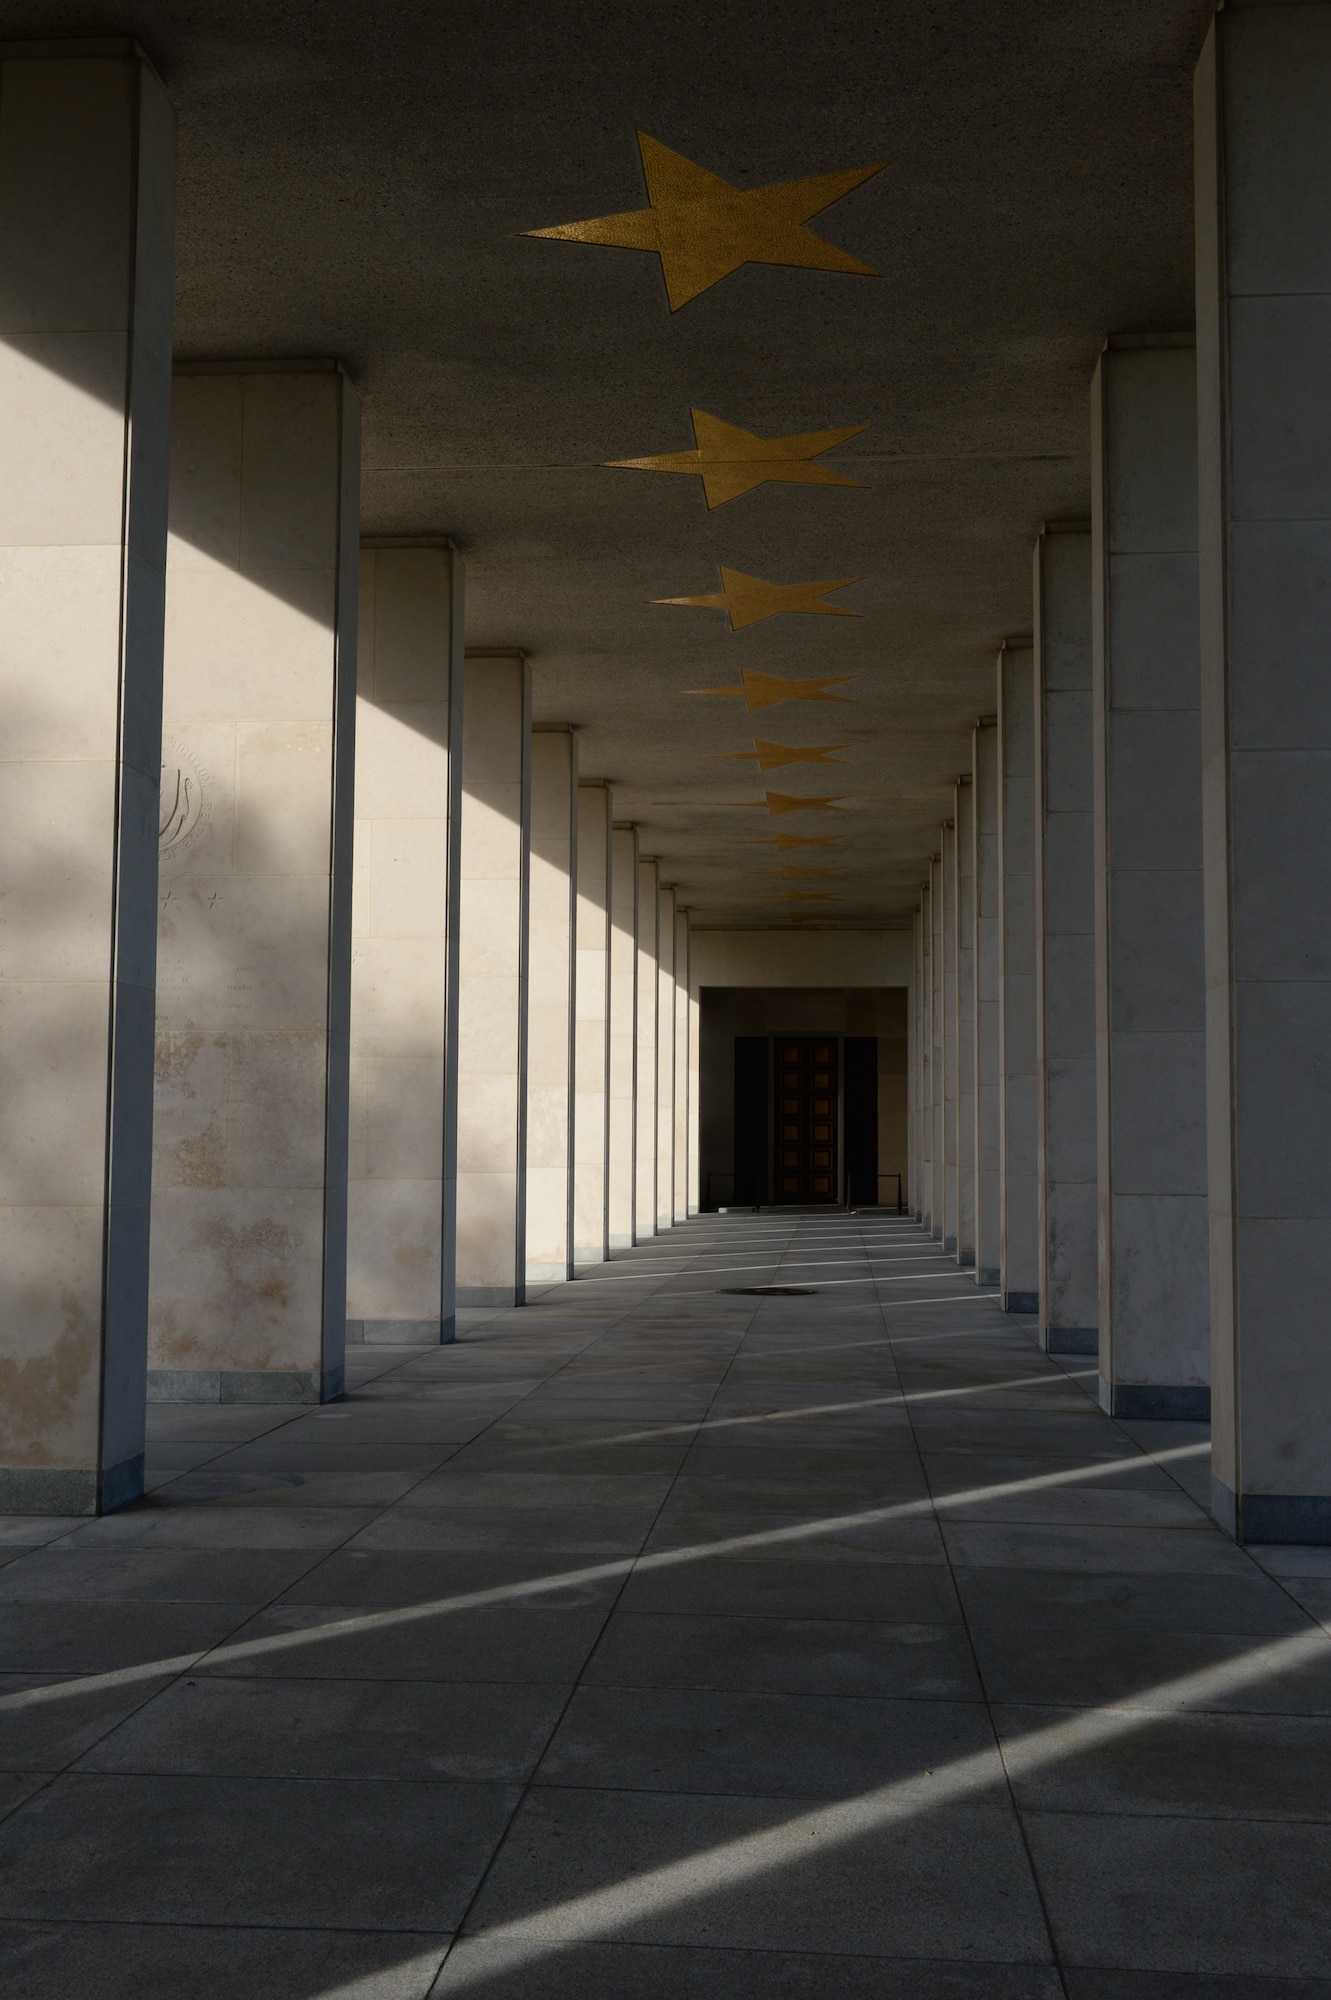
[(1140, 956), (367, 1008)]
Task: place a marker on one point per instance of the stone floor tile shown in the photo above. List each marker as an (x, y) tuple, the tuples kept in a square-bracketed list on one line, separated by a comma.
[(1143, 1551), (564, 1532), (1186, 1895), (306, 1854), (793, 1586), (506, 1643), (1056, 1664), (151, 1523), (667, 1972), (768, 1745), (804, 1655), (33, 1531), (827, 1529), (18, 1786), (1087, 1985), (110, 1637), (771, 1874), (293, 1728), (118, 1961), (47, 1720), (83, 1575), (1128, 1602)]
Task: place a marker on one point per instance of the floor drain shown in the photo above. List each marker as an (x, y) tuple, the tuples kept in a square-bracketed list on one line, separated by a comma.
[(768, 1291)]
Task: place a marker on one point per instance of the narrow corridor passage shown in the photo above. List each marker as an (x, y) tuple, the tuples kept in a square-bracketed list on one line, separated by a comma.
[(661, 1640)]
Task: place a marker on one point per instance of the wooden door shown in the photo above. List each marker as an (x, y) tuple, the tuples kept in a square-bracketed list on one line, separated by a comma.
[(806, 1118)]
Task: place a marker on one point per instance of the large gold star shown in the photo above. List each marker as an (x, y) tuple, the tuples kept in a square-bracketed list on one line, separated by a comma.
[(703, 228), (749, 600), (771, 756), (768, 691), (730, 461), (781, 802)]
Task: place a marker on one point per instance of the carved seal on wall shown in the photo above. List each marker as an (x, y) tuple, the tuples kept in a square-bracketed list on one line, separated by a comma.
[(184, 799)]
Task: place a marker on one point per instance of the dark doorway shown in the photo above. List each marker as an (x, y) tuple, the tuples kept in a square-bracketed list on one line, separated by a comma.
[(806, 1118), (752, 1097), (860, 1127)]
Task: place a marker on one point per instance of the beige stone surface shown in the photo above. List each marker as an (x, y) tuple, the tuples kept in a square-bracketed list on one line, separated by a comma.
[(646, 1103), (551, 967), (622, 1137), (591, 1028), (254, 947)]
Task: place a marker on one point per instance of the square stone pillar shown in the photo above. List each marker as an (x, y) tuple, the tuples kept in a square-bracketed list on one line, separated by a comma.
[(681, 1065), (623, 1137), (987, 1045), (249, 1252), (695, 1150), (645, 1096), (1264, 370), (493, 979), (913, 1072), (949, 1046), (937, 1069), (665, 1063), (591, 1034), (87, 182), (552, 963), (401, 1171), (964, 1038), (925, 1031), (1019, 1255), (1065, 941), (1150, 983)]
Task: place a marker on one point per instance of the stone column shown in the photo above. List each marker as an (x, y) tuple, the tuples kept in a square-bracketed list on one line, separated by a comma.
[(1263, 367), (665, 1063), (964, 1057), (937, 1072), (623, 1138), (913, 1074), (1019, 1257), (926, 1035), (551, 965), (645, 1096), (681, 1065), (400, 1199), (87, 179), (1150, 982), (1065, 940), (591, 1036), (949, 945), (694, 1162), (493, 978), (248, 1294), (986, 1042)]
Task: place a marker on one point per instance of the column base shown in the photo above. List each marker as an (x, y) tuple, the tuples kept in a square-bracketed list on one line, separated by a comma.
[(1070, 1339), (582, 1258), (489, 1295), (44, 1489), (1272, 1517), (548, 1274), (621, 1242), (965, 1260), (1020, 1302), (394, 1332), (988, 1276), (949, 1244), (1148, 1402), (239, 1385)]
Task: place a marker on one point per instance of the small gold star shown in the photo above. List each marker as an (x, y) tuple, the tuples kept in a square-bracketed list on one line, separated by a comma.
[(768, 691), (749, 600), (771, 756), (703, 228), (780, 802), (731, 462)]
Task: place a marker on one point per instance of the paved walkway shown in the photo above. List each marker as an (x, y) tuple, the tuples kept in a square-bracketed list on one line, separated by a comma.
[(662, 1641)]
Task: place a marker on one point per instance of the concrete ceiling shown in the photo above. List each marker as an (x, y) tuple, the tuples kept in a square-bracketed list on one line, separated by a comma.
[(356, 179)]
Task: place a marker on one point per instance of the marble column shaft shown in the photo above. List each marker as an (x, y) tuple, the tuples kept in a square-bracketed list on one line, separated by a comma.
[(493, 979), (591, 1057), (985, 1024), (623, 1123), (645, 1094), (551, 967), (1263, 142), (87, 180), (1019, 1255), (949, 948), (249, 1227), (964, 1032), (401, 1170), (681, 1065), (1150, 981), (665, 1062), (1065, 941)]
